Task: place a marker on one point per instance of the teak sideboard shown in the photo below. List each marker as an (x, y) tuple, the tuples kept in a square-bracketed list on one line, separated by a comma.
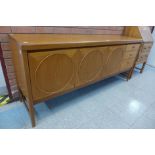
[(50, 65)]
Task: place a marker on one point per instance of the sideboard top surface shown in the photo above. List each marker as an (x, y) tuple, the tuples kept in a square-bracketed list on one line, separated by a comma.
[(41, 41)]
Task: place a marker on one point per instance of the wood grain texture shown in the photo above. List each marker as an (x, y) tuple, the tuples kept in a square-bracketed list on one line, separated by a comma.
[(114, 60), (146, 34), (132, 31), (127, 63), (58, 68), (54, 71), (19, 67), (40, 41), (89, 64), (144, 53), (146, 47)]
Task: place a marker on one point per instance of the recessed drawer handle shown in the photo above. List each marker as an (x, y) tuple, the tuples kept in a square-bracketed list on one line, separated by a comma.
[(133, 46)]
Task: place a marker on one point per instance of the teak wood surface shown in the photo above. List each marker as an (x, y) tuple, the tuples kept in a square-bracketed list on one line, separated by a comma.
[(50, 65), (57, 41), (146, 48)]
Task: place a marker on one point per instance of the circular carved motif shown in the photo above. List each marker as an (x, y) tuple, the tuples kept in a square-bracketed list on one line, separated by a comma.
[(54, 73), (115, 60), (90, 66)]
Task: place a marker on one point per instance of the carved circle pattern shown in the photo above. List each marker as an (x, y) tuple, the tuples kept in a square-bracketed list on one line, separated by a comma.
[(54, 73), (90, 66), (114, 61)]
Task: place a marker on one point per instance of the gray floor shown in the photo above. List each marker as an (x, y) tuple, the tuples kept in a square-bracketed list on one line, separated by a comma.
[(112, 103)]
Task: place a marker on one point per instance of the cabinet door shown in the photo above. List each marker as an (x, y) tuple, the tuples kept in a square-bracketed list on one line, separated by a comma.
[(51, 72), (114, 61), (90, 63)]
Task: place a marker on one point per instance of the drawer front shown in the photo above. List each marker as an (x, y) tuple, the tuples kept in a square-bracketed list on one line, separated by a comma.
[(143, 51), (127, 63), (144, 55), (133, 47), (146, 48)]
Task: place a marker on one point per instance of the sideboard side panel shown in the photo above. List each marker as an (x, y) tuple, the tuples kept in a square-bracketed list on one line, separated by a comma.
[(18, 62)]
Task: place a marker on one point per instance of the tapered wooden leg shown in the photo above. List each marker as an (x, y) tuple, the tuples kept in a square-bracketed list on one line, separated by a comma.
[(32, 116), (32, 113), (130, 74), (30, 109), (142, 69)]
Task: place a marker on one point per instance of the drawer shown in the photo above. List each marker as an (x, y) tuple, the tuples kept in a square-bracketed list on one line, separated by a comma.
[(142, 59), (129, 54), (133, 47), (127, 63), (146, 48), (145, 51), (143, 56)]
